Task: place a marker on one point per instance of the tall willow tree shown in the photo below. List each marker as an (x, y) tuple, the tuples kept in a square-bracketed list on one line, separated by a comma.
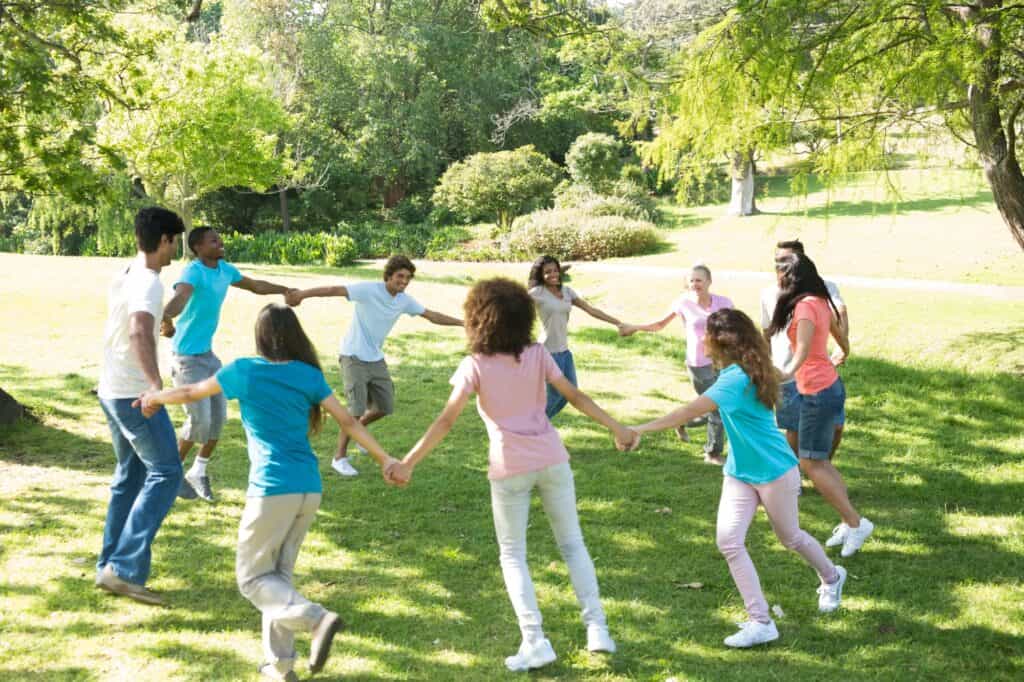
[(859, 71)]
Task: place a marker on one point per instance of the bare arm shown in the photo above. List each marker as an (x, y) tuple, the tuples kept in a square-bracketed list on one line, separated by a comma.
[(259, 286), (441, 319), (182, 293), (685, 414), (354, 428), (316, 292), (143, 347), (438, 430), (595, 312), (151, 402), (585, 404), (655, 326), (804, 334)]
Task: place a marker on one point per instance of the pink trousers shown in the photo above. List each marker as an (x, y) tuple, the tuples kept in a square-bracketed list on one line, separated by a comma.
[(736, 510)]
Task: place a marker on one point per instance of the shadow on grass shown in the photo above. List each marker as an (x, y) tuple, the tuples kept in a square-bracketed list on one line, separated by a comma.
[(843, 209)]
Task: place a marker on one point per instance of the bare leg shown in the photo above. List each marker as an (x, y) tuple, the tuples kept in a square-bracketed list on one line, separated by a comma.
[(343, 439), (793, 438), (207, 450), (184, 447), (837, 438), (829, 482)]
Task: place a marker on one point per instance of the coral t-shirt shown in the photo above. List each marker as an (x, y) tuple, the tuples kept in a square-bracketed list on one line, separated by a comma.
[(511, 397), (817, 373)]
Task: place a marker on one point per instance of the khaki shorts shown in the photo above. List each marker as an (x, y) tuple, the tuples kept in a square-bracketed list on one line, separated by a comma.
[(367, 384)]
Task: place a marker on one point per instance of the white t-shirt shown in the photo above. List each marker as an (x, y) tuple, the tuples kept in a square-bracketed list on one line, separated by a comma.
[(376, 312), (782, 352), (137, 289), (554, 316)]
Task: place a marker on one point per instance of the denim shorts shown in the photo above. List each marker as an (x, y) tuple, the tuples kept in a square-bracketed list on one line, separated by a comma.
[(819, 414), (787, 411)]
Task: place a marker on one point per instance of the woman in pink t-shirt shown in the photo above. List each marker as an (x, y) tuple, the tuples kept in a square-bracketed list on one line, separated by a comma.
[(693, 308), (806, 312), (508, 372)]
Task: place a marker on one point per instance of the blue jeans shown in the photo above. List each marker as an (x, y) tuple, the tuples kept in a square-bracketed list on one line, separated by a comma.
[(556, 401), (144, 487)]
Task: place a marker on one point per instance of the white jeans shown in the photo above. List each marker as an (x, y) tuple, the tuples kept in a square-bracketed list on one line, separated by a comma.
[(269, 537), (510, 502)]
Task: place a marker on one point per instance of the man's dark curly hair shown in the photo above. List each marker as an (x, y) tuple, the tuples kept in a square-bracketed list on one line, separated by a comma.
[(499, 317)]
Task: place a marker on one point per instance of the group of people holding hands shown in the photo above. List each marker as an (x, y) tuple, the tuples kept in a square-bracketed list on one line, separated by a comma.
[(519, 386)]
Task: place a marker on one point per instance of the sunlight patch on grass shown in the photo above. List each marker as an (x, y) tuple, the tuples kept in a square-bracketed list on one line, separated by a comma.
[(971, 525), (991, 605)]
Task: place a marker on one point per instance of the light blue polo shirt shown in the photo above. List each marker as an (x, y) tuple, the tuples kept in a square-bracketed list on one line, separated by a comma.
[(758, 452), (275, 398), (198, 321), (376, 312)]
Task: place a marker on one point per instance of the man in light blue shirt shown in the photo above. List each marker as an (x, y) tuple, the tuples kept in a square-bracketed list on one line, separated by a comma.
[(198, 297), (378, 305)]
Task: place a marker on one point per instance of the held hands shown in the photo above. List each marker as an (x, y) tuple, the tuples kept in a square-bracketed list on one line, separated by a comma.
[(626, 439), (838, 357), (293, 297), (396, 472), (167, 327), (627, 330), (148, 402)]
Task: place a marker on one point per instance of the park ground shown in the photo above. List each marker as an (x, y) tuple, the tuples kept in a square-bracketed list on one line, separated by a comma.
[(933, 455)]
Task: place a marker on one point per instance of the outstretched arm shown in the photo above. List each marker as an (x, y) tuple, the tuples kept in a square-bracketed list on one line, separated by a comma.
[(442, 319), (685, 414), (355, 429), (596, 312), (656, 326), (261, 287), (295, 297), (150, 402), (624, 439), (437, 431)]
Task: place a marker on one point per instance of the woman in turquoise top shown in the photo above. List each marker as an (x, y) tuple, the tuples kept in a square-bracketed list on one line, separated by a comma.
[(282, 395), (761, 468)]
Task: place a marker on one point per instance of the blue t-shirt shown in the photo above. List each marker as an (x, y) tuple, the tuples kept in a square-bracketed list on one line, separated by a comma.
[(198, 321), (376, 313), (758, 452), (275, 398)]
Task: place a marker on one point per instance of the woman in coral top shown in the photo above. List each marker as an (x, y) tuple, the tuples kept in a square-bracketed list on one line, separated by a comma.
[(806, 312)]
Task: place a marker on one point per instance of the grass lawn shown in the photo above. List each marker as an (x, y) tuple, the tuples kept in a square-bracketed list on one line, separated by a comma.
[(933, 455)]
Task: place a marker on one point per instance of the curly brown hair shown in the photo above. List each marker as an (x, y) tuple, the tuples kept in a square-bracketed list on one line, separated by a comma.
[(733, 338), (499, 317), (396, 263)]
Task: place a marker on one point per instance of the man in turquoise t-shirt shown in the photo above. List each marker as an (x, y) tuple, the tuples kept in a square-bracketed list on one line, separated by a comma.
[(378, 305), (198, 296)]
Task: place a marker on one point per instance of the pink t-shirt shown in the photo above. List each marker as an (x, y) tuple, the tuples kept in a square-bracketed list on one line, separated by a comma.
[(696, 320), (817, 373), (511, 397)]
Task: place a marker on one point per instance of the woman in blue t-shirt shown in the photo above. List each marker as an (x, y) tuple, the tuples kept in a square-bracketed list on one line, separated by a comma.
[(282, 395), (760, 469)]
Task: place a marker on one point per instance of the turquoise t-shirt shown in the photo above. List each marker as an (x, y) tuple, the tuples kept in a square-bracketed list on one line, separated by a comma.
[(758, 452), (376, 313), (198, 321), (275, 398)]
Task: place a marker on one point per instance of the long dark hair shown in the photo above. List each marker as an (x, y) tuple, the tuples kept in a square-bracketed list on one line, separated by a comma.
[(499, 317), (798, 279), (536, 278), (280, 338), (733, 338)]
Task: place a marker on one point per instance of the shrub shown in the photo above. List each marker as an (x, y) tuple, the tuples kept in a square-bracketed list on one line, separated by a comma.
[(593, 160), (625, 199), (339, 250), (292, 248), (573, 234), (498, 186)]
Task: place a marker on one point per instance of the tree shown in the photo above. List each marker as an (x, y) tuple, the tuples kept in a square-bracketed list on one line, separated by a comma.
[(593, 161), (863, 70), (497, 186)]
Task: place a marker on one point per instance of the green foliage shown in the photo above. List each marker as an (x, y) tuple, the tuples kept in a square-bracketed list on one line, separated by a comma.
[(339, 250), (574, 234), (290, 248), (625, 199), (498, 186), (593, 161)]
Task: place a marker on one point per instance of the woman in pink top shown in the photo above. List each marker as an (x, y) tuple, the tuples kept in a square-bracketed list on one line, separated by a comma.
[(693, 308), (509, 373), (806, 312)]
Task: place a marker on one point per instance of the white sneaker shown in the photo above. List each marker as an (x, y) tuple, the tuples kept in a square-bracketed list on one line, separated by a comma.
[(856, 537), (598, 639), (830, 596), (531, 656), (344, 467), (753, 633), (838, 535)]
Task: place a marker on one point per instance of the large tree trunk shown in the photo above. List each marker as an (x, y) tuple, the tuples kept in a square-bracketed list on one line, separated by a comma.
[(743, 171), (996, 143), (10, 409)]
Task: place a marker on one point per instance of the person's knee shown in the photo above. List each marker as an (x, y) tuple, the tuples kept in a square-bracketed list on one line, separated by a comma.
[(729, 544)]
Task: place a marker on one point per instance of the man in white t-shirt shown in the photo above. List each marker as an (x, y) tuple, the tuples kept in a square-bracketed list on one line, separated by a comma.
[(148, 471), (787, 414), (378, 305)]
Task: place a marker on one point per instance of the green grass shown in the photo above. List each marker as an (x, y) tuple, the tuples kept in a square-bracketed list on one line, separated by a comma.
[(933, 454)]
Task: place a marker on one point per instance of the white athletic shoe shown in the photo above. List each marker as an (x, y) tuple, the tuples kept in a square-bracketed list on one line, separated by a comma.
[(344, 467), (598, 639), (838, 535), (856, 536), (753, 633), (830, 596), (531, 656)]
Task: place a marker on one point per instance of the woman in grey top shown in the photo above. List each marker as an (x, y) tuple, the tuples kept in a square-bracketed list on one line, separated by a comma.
[(554, 301)]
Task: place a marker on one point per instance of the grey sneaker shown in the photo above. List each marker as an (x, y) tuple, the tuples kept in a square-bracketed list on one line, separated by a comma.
[(186, 491), (109, 581), (323, 636), (200, 485)]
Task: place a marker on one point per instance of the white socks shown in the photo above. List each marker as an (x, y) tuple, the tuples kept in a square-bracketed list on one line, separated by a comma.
[(198, 466)]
